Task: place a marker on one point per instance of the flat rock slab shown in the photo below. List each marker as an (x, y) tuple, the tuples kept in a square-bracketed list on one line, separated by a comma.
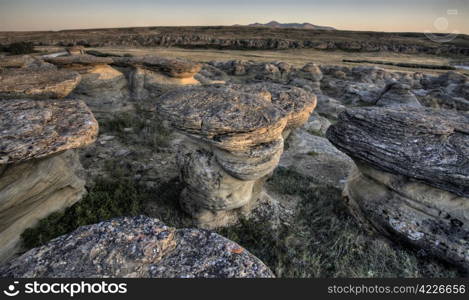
[(79, 60), (37, 84), (34, 129), (137, 247), (178, 68), (428, 145)]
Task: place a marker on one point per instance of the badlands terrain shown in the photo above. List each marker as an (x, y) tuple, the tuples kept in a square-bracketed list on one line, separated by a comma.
[(211, 152)]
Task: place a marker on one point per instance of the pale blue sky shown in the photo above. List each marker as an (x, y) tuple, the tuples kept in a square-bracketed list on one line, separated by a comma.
[(396, 15)]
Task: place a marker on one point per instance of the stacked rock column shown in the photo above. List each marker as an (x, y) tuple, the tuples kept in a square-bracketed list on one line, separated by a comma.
[(231, 140)]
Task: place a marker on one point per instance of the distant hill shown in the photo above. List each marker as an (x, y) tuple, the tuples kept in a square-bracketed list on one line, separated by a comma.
[(275, 24)]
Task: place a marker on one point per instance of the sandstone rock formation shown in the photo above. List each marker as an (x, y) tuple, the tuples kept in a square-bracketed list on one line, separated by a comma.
[(412, 180), (138, 247), (151, 76), (39, 173), (102, 87), (37, 84), (232, 138)]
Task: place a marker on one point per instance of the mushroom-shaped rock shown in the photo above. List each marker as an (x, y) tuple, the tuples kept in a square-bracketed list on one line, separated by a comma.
[(76, 50), (138, 247), (232, 139), (412, 177), (37, 84), (102, 87), (421, 143), (39, 171), (151, 76), (178, 68)]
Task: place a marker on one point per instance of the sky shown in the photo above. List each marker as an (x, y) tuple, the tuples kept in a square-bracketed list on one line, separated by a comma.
[(374, 15)]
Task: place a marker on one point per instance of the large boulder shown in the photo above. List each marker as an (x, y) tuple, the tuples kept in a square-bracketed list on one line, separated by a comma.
[(412, 177), (232, 138), (39, 172), (37, 84), (138, 247)]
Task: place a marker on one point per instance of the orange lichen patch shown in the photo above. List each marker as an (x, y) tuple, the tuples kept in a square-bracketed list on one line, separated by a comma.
[(237, 250)]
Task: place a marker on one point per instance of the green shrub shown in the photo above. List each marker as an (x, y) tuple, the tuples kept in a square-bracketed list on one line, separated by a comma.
[(107, 199)]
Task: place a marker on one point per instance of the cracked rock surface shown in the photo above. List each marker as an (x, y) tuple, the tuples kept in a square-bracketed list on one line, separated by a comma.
[(231, 140), (412, 177), (137, 247)]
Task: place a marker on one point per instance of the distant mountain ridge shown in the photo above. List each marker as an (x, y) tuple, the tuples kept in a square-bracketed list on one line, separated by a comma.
[(275, 24)]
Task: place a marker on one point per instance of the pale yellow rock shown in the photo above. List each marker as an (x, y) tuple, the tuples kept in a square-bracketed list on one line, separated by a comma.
[(32, 190)]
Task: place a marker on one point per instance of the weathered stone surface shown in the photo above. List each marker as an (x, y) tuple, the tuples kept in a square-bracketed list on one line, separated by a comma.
[(398, 95), (147, 84), (424, 144), (138, 247), (15, 61), (104, 89), (236, 117), (35, 129), (177, 68), (83, 60), (37, 84), (422, 216), (412, 180), (232, 139), (31, 190), (316, 158)]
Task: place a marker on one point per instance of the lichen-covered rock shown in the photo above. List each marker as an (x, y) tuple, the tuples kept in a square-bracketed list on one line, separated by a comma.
[(232, 138), (38, 175), (37, 84), (138, 247), (35, 129), (428, 145), (412, 180)]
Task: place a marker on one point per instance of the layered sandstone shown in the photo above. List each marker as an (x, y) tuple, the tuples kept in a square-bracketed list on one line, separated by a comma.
[(412, 177), (39, 172), (151, 76), (102, 87), (232, 138), (37, 84)]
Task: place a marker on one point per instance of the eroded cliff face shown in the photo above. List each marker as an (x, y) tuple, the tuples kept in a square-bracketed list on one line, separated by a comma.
[(231, 37)]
